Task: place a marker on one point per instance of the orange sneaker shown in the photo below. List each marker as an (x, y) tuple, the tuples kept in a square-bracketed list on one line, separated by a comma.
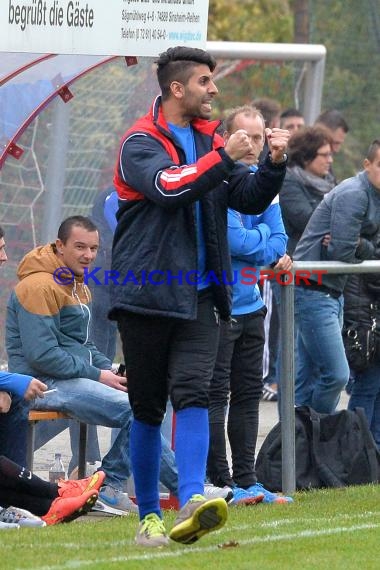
[(66, 509), (71, 488)]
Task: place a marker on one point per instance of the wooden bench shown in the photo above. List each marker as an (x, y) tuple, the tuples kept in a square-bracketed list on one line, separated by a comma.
[(36, 416)]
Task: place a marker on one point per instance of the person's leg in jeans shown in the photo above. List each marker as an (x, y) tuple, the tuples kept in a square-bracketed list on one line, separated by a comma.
[(168, 470), (319, 320), (246, 389), (273, 340), (167, 424), (305, 377), (95, 403), (193, 352), (168, 467), (366, 394), (218, 470), (14, 430)]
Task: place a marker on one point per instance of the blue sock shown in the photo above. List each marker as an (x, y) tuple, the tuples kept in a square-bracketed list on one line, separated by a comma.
[(145, 448), (191, 448)]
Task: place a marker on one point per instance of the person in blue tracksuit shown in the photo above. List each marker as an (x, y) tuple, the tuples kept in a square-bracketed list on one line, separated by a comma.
[(254, 240)]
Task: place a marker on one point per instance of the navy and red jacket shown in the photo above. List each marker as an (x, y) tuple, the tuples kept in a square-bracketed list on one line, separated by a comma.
[(156, 229)]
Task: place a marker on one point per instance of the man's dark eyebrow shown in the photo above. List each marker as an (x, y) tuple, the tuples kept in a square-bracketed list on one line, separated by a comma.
[(83, 243)]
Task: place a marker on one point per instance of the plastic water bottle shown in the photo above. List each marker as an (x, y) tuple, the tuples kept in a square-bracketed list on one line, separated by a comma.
[(57, 470)]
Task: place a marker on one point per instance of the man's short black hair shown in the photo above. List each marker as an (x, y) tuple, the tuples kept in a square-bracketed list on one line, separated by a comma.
[(177, 63), (290, 112), (1, 232), (64, 230)]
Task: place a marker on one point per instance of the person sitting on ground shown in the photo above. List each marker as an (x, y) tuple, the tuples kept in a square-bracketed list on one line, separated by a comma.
[(14, 388), (44, 503), (20, 489), (238, 373)]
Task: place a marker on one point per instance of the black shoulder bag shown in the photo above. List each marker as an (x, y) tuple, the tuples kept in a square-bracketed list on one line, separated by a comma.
[(332, 450)]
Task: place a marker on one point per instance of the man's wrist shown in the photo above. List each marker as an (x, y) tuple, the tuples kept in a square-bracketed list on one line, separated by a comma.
[(280, 162)]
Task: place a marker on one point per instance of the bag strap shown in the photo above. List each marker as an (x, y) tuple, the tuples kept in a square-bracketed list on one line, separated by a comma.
[(370, 446)]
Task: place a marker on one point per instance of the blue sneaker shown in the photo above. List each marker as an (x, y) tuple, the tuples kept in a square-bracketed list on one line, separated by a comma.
[(243, 497), (268, 496)]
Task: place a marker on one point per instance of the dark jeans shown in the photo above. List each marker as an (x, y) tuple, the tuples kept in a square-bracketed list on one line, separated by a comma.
[(274, 336), (14, 430), (366, 394), (166, 355), (238, 373)]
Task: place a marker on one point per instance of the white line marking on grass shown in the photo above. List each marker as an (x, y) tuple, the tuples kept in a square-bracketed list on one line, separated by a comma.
[(156, 555), (283, 522), (345, 516)]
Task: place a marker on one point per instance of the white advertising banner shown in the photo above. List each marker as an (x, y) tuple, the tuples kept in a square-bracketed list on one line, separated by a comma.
[(102, 27)]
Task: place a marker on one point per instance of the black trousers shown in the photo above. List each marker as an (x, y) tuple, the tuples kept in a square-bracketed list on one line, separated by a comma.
[(21, 488), (169, 357), (238, 378)]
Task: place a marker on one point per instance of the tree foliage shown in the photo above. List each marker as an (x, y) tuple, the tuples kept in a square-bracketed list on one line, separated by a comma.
[(350, 30), (250, 21)]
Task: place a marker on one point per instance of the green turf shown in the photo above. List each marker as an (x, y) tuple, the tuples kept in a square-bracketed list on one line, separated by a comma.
[(330, 529)]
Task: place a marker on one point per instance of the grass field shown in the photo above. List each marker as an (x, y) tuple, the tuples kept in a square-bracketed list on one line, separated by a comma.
[(329, 529)]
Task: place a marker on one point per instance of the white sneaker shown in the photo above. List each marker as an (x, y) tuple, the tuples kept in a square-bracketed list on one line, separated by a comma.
[(20, 517), (212, 492), (7, 526)]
